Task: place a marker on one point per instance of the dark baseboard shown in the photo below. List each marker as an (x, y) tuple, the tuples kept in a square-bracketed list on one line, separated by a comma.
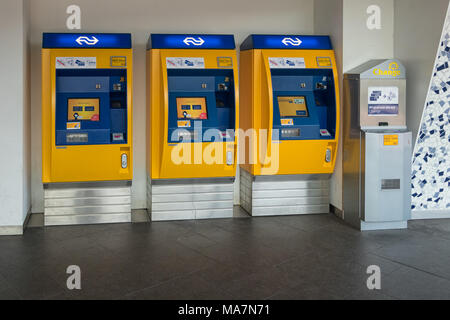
[(336, 211)]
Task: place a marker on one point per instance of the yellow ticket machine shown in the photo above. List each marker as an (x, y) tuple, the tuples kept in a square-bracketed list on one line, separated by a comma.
[(86, 127), (192, 117), (289, 116)]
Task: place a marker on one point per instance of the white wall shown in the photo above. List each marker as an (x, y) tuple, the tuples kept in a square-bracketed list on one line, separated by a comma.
[(418, 27), (354, 44), (26, 117), (142, 18), (360, 43), (328, 21), (14, 126)]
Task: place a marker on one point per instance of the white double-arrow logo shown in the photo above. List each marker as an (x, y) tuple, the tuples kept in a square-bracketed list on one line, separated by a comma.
[(191, 40), (293, 42), (86, 40)]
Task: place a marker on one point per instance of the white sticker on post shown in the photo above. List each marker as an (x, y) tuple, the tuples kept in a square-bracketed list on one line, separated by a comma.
[(185, 63), (76, 63), (287, 63)]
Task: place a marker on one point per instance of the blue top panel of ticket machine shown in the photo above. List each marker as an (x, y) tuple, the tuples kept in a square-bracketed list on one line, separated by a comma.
[(87, 40), (260, 41), (191, 41)]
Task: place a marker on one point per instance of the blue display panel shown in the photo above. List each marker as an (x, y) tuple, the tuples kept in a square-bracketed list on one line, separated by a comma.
[(214, 93), (87, 40), (259, 41), (304, 104), (191, 41), (91, 106)]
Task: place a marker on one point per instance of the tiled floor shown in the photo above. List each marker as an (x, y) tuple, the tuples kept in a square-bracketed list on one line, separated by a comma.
[(293, 257)]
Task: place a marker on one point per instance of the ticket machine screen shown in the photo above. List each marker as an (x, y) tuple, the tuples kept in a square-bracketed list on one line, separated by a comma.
[(294, 106), (83, 109), (192, 108), (200, 100), (304, 104)]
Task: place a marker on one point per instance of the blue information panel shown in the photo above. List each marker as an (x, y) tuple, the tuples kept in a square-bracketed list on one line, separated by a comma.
[(91, 106), (87, 40), (190, 41), (258, 41)]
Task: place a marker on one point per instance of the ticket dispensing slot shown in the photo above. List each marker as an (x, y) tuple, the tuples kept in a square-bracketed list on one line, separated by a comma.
[(198, 101)]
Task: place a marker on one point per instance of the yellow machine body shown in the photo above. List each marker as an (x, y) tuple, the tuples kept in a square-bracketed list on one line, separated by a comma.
[(79, 163), (257, 111), (160, 161)]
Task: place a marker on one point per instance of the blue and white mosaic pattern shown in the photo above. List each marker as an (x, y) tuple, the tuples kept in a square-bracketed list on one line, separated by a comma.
[(431, 157)]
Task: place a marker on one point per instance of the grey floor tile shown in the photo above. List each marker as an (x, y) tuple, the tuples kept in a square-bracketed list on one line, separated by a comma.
[(213, 232), (291, 257), (368, 259), (191, 287), (408, 283), (260, 284), (294, 245), (7, 293), (366, 294), (309, 222), (302, 293), (220, 274), (432, 256), (112, 285), (341, 240), (195, 241), (435, 227), (35, 283), (392, 237), (248, 259)]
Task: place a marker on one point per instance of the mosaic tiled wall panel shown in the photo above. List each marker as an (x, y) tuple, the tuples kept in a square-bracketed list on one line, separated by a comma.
[(431, 157)]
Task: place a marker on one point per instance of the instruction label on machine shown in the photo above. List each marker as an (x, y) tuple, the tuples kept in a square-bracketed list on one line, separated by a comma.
[(76, 63), (383, 101), (224, 62), (73, 125), (324, 62), (118, 61), (285, 63), (184, 124), (390, 140), (287, 122), (185, 63)]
